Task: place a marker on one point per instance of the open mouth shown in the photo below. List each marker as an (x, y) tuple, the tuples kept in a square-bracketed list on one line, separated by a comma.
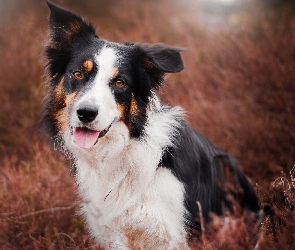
[(87, 138)]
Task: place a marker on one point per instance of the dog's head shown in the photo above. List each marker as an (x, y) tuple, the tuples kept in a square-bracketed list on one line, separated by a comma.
[(95, 84)]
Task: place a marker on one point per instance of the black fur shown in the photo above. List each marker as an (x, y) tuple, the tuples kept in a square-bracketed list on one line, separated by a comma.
[(202, 167)]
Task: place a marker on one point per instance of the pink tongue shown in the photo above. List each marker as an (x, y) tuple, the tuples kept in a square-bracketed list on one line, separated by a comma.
[(85, 138)]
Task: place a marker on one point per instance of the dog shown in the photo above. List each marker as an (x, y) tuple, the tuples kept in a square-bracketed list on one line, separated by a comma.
[(140, 168)]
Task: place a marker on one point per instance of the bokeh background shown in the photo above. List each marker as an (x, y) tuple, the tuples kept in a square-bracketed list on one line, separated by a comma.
[(238, 88)]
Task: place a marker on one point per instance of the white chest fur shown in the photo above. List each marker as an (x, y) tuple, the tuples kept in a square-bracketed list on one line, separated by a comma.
[(128, 200)]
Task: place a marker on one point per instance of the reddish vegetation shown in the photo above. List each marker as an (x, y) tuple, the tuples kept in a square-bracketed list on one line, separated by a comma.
[(238, 88)]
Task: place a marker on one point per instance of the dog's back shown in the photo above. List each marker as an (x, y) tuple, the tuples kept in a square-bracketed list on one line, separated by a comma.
[(210, 176)]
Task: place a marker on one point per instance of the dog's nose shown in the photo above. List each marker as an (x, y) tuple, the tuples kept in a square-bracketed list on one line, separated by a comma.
[(87, 114)]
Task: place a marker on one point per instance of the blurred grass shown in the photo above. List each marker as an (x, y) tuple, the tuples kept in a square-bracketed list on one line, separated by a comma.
[(238, 88)]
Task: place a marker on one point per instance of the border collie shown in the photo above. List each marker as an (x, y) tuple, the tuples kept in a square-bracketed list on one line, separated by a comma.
[(139, 167)]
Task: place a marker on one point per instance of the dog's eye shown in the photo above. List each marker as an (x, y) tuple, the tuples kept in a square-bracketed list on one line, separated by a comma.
[(78, 74), (119, 83)]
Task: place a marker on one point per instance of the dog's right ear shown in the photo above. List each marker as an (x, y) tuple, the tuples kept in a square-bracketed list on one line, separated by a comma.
[(66, 27)]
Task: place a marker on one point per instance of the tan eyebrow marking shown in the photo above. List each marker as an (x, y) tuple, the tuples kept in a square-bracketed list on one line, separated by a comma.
[(115, 73), (88, 65)]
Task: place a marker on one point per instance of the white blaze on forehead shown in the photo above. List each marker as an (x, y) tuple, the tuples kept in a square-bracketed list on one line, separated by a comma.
[(101, 92), (106, 64), (100, 95)]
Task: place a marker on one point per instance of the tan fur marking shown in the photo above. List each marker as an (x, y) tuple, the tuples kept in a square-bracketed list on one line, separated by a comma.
[(125, 118), (115, 73), (62, 115), (88, 66), (62, 120), (59, 89), (148, 63), (63, 101), (75, 27), (133, 107), (128, 115), (60, 100), (139, 238), (122, 110)]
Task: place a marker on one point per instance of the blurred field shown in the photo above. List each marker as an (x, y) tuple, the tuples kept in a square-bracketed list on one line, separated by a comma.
[(238, 88)]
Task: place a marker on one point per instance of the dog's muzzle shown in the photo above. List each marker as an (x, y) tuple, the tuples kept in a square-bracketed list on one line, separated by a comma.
[(86, 136)]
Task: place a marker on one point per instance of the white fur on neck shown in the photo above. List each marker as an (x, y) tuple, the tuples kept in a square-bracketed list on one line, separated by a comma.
[(124, 190)]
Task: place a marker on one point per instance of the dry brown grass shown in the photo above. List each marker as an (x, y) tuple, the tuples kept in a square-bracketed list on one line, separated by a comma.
[(238, 88)]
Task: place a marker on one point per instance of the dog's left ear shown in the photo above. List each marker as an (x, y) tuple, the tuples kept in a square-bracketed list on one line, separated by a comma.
[(166, 59)]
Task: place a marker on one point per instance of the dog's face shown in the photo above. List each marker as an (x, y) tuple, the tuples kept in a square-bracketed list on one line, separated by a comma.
[(97, 85)]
